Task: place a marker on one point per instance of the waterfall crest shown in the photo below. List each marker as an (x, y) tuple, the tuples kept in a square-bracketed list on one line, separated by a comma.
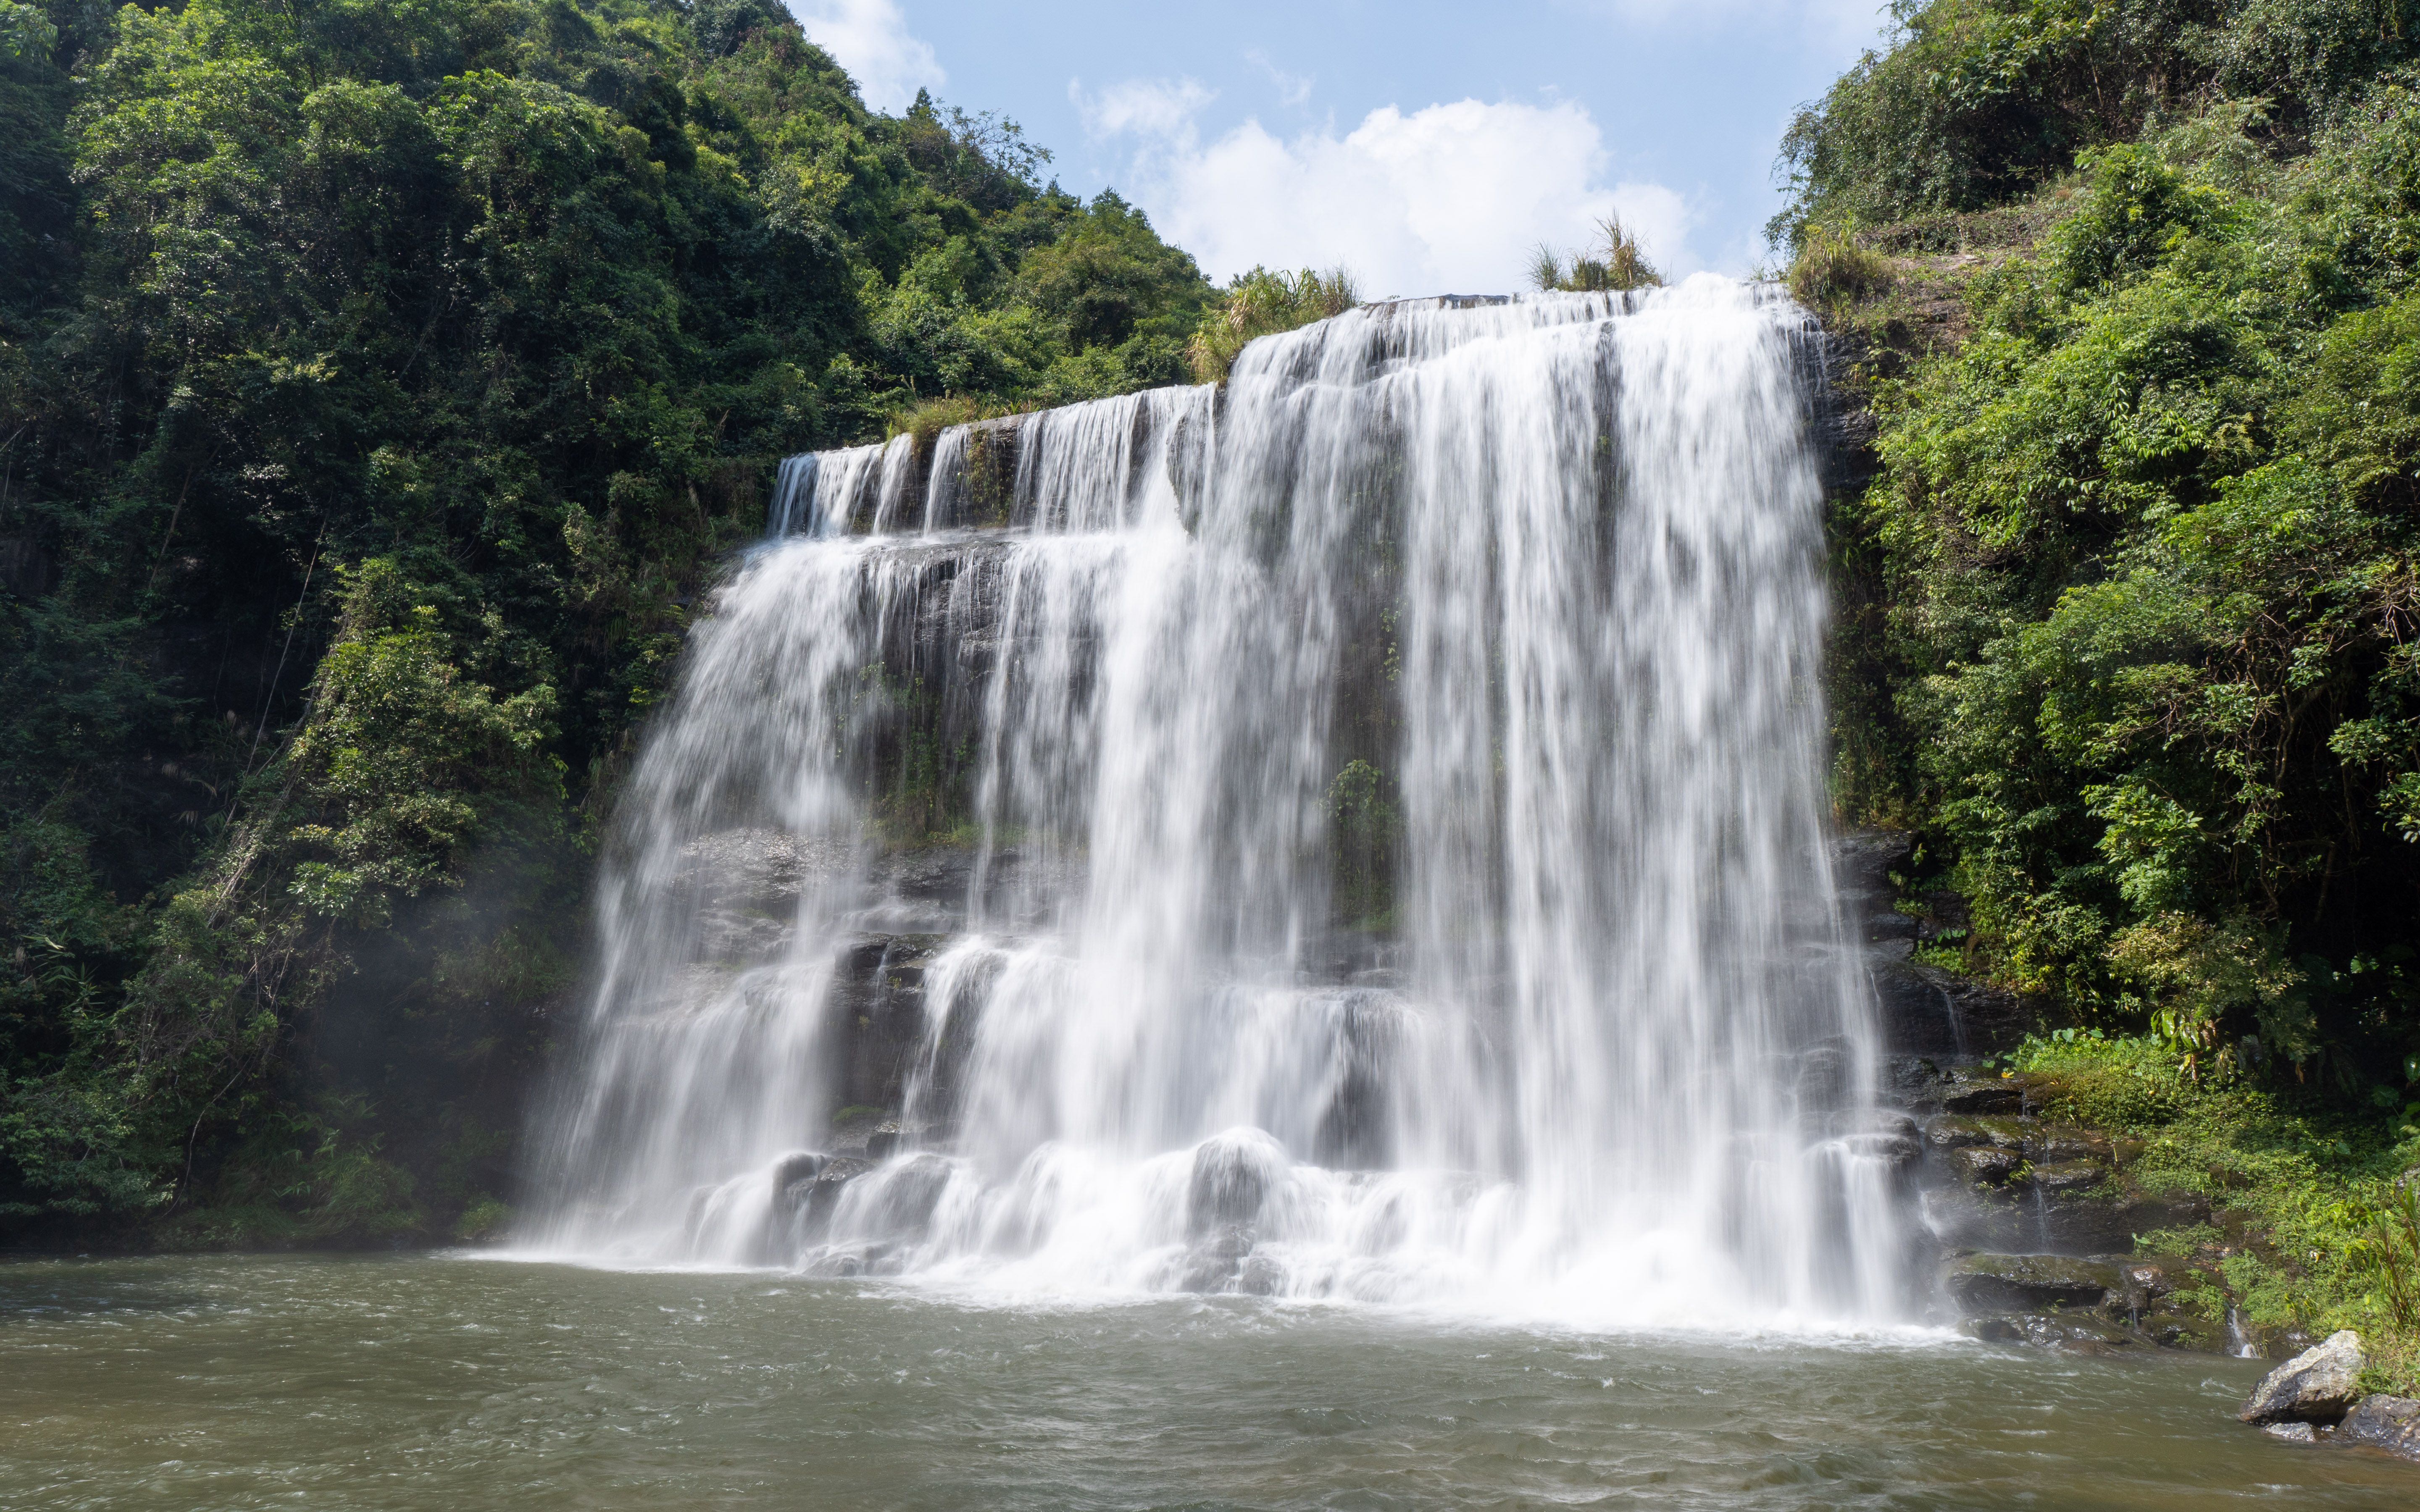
[(1356, 834)]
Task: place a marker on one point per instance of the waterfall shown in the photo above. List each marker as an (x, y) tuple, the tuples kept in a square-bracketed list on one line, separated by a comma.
[(1358, 833)]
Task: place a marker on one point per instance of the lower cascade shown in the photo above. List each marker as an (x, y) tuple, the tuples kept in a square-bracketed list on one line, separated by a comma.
[(1356, 833)]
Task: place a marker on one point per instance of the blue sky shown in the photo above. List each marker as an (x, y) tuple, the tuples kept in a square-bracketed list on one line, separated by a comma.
[(1426, 147)]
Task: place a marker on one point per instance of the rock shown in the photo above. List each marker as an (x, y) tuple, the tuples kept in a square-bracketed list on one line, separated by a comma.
[(1951, 1132), (1262, 1277), (2314, 1386), (2174, 1328), (1984, 1097), (2068, 1176), (804, 1165), (2028, 1283), (891, 1138), (2293, 1432), (2146, 1280), (1897, 1150), (1824, 1075), (2082, 1332), (1217, 1261), (1955, 1131), (2388, 1423), (1909, 1082), (1233, 1174), (1984, 1165), (807, 1189), (1996, 1218), (902, 1201), (2046, 1143)]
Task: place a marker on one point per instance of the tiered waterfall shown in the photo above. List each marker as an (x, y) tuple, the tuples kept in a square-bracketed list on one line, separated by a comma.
[(1354, 833)]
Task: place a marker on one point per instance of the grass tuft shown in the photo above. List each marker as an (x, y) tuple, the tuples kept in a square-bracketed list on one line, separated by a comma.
[(1832, 265), (1262, 304), (1618, 262)]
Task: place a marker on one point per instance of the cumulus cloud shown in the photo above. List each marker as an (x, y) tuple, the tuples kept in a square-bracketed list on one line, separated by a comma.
[(1452, 198), (870, 38)]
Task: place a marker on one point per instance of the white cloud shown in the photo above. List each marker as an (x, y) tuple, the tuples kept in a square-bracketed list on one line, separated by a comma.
[(870, 38), (1450, 199), (1155, 108)]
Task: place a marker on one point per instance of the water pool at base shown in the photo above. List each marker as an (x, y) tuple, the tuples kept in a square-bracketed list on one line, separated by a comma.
[(433, 1382)]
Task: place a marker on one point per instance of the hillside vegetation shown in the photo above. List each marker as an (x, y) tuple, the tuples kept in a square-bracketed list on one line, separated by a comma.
[(379, 382), (2131, 613)]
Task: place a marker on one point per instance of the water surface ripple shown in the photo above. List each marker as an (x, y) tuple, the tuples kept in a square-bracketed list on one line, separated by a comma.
[(434, 1382)]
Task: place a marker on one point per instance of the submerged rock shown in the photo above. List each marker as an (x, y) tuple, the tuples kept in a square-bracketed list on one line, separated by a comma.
[(806, 1191), (2318, 1385), (2083, 1333), (2388, 1423), (2293, 1432)]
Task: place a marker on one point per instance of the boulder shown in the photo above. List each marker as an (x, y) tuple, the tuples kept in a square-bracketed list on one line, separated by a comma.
[(2291, 1432), (2028, 1283), (2318, 1385), (2388, 1423)]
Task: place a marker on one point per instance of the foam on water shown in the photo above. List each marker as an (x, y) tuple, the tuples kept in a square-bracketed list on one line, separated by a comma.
[(1396, 868)]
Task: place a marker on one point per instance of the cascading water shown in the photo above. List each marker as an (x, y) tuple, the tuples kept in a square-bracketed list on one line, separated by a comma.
[(1359, 834)]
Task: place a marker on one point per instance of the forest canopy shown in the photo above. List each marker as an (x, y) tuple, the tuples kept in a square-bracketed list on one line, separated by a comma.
[(2132, 596), (379, 380)]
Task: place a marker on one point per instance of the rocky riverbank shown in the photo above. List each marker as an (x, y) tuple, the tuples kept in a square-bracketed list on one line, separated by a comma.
[(2047, 1231), (2318, 1398)]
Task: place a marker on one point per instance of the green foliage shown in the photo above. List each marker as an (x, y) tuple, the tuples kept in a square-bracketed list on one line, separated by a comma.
[(2151, 586), (381, 379), (411, 760), (1365, 827), (1975, 102), (1262, 304), (1831, 267), (2311, 1227)]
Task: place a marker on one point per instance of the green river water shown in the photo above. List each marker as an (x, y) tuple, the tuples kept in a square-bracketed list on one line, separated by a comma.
[(437, 1383)]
